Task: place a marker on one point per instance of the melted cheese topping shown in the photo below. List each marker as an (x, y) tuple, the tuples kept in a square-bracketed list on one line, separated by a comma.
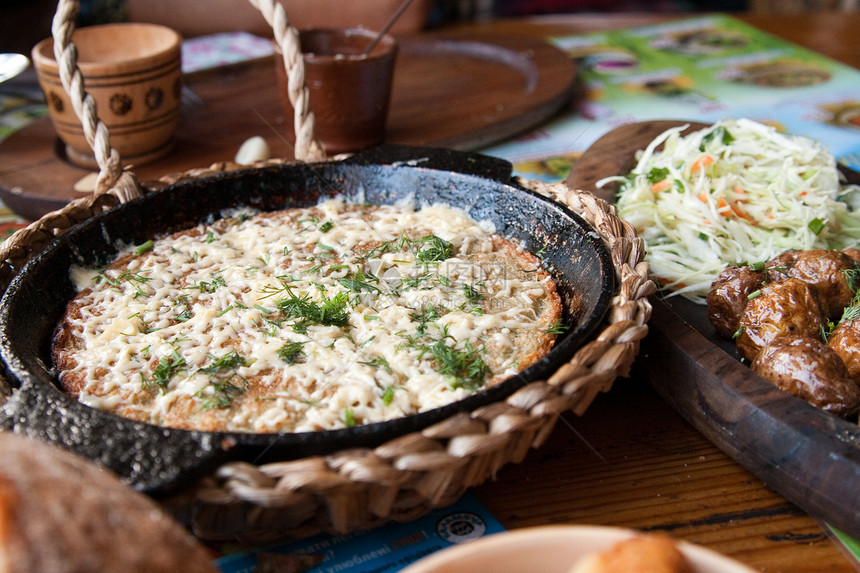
[(305, 319)]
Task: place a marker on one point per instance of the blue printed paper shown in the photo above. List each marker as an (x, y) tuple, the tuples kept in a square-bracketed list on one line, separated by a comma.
[(385, 549)]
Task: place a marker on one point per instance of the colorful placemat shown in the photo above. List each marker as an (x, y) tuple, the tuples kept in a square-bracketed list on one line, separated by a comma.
[(698, 69)]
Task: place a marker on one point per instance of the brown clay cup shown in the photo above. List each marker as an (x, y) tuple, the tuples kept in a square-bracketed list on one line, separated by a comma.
[(349, 93), (134, 73)]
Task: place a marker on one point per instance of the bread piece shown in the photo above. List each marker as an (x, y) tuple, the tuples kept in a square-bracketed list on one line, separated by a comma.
[(63, 514), (652, 553)]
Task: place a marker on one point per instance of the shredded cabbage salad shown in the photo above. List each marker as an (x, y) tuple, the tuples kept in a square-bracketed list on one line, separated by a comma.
[(737, 191)]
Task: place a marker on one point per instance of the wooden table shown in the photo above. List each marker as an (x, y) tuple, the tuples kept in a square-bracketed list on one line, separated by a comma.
[(482, 92), (631, 460)]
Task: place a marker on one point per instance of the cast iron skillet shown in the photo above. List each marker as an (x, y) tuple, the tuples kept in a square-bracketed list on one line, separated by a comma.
[(158, 459)]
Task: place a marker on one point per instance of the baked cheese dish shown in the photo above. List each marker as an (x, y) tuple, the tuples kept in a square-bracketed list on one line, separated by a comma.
[(305, 319)]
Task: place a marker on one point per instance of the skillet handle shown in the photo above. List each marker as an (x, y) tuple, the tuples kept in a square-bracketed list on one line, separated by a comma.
[(152, 459), (467, 163)]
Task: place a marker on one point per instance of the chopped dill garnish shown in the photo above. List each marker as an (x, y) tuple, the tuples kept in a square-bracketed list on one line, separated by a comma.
[(388, 395), (164, 371), (360, 281), (136, 279), (209, 286), (852, 276), (349, 418), (291, 352), (471, 293), (225, 390), (557, 327), (329, 311), (436, 249), (428, 314), (467, 369), (378, 362), (229, 361)]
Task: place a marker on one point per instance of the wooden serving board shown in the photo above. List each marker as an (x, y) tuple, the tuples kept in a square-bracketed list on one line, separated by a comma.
[(449, 90), (809, 456)]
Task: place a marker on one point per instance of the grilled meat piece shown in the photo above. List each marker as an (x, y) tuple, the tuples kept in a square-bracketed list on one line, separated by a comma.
[(809, 369), (784, 308), (825, 270), (729, 296)]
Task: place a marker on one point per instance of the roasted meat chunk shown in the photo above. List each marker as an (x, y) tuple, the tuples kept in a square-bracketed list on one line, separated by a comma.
[(787, 307), (777, 268), (825, 270), (845, 341), (853, 254), (809, 369), (729, 296)]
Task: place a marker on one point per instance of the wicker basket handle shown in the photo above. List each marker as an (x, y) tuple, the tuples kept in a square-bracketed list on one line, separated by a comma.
[(95, 131), (114, 183), (307, 148)]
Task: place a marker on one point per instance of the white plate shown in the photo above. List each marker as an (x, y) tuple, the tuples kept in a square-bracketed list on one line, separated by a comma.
[(551, 549)]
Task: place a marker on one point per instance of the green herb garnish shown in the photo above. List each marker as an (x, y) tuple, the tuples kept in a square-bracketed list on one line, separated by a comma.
[(329, 311), (291, 352), (657, 174), (557, 327), (229, 361), (471, 293), (225, 391), (719, 135), (210, 286), (464, 365), (436, 249), (144, 247), (378, 362), (388, 395), (428, 314), (360, 281), (164, 371), (816, 226)]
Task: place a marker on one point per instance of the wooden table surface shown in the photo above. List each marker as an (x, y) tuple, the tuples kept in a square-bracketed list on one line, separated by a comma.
[(631, 460), (502, 86)]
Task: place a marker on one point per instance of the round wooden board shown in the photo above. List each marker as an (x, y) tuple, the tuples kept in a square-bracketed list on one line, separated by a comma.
[(809, 456), (449, 90)]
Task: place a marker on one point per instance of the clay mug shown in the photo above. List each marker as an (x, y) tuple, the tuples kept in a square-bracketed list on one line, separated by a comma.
[(133, 72), (349, 93)]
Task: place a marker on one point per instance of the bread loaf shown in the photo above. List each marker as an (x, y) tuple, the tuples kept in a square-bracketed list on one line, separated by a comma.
[(62, 514)]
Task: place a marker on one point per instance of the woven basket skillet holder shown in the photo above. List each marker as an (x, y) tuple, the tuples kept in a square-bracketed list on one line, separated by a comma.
[(407, 477)]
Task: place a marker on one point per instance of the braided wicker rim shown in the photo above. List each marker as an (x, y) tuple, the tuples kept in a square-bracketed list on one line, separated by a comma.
[(408, 476)]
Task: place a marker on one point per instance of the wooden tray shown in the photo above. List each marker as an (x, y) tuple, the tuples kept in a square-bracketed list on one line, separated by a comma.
[(449, 91), (807, 455)]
